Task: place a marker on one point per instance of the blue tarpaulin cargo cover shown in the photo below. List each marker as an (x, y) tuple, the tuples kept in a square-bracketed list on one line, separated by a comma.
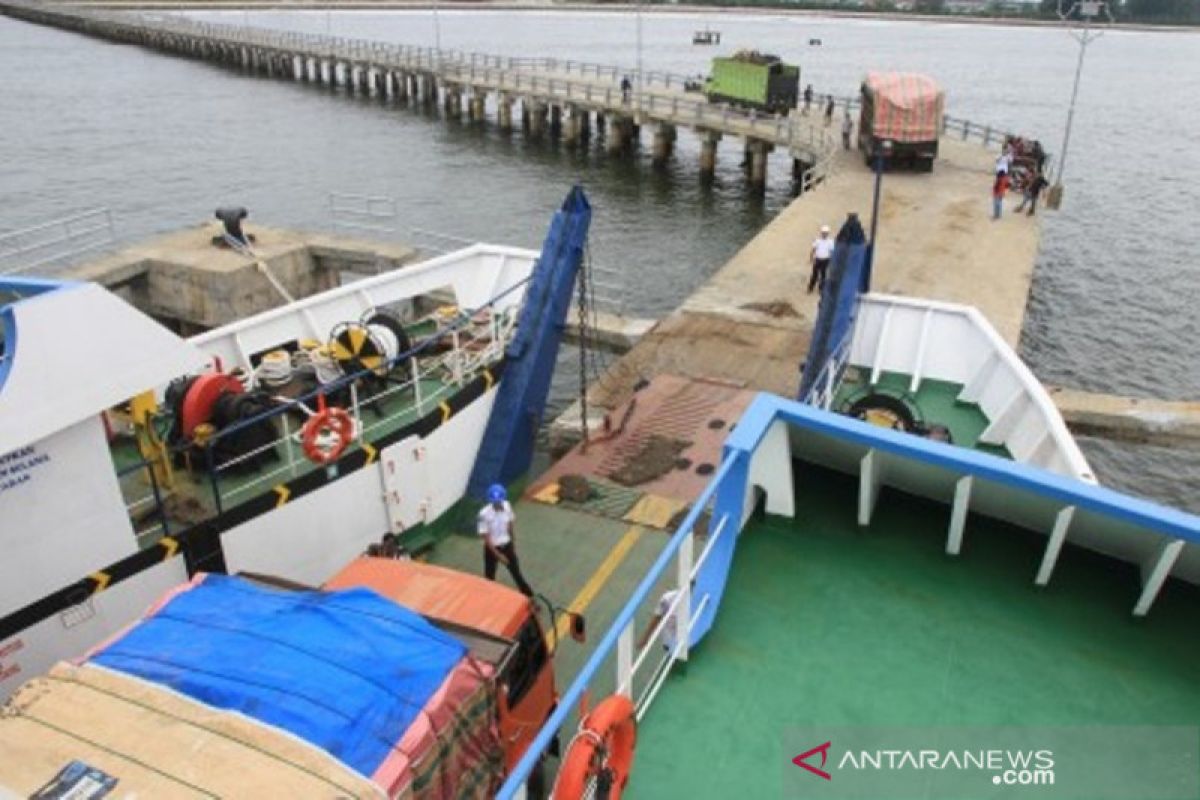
[(347, 671)]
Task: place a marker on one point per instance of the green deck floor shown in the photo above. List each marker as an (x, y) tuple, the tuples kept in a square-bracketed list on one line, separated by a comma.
[(938, 402), (560, 551), (824, 623)]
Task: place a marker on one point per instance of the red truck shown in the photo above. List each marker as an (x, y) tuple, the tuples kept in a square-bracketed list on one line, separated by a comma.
[(901, 119)]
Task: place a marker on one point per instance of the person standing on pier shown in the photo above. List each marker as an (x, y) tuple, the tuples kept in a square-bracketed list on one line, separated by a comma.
[(1033, 190), (829, 107), (808, 96), (847, 129), (497, 527), (626, 88), (999, 189), (819, 257)]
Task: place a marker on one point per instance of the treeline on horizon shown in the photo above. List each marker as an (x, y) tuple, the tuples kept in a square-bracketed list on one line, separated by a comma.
[(1164, 12)]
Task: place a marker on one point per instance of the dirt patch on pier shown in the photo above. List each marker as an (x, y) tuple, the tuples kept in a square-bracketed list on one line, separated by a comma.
[(656, 457), (776, 309)]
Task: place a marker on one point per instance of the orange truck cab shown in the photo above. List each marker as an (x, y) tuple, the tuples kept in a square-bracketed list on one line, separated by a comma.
[(498, 624)]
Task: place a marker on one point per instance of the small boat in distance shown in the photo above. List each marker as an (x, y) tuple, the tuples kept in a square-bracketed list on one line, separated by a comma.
[(706, 36)]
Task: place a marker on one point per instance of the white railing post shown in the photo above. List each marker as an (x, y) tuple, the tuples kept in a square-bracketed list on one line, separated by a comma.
[(416, 379), (288, 444), (354, 408), (684, 576), (457, 370), (625, 661)]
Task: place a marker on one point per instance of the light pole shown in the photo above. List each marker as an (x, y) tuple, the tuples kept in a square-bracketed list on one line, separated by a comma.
[(638, 15), (437, 32), (885, 150), (1088, 10)]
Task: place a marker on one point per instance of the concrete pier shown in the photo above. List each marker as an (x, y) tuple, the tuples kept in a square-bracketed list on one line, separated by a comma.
[(664, 142), (750, 323), (618, 135), (758, 153), (504, 110), (560, 95), (537, 119), (184, 280)]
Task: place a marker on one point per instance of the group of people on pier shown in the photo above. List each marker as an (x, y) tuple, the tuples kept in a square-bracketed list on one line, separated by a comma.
[(1021, 166)]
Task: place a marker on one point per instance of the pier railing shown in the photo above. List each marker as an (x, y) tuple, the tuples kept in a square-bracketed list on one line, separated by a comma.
[(659, 97), (56, 241), (560, 81), (964, 129), (374, 214)]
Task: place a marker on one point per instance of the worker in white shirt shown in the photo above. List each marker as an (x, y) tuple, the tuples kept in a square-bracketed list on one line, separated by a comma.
[(670, 631), (663, 611), (497, 527), (822, 252)]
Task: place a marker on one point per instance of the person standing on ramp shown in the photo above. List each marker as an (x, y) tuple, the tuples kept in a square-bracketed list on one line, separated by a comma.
[(818, 257), (497, 526)]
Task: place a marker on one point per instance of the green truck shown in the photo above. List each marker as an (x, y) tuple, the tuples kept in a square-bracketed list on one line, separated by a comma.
[(751, 79)]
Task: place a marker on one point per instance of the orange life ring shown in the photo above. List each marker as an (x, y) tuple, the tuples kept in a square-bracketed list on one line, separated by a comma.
[(331, 420), (603, 749)]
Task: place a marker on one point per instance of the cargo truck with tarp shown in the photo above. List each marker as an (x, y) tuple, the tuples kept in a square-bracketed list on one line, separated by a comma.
[(901, 119), (751, 79), (232, 687)]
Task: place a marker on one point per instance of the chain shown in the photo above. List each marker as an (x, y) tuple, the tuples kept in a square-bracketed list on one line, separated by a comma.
[(585, 324)]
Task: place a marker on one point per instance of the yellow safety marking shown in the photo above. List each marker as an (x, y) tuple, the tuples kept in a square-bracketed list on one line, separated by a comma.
[(284, 493), (488, 380), (102, 580), (358, 338), (596, 582), (171, 546), (654, 511), (369, 450), (446, 411)]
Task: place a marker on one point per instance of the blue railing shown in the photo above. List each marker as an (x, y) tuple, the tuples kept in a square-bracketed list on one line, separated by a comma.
[(729, 485), (570, 699)]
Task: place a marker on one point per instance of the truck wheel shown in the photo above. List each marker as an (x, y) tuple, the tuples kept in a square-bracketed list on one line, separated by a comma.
[(925, 165)]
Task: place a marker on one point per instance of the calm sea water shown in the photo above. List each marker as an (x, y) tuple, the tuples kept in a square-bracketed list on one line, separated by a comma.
[(163, 141)]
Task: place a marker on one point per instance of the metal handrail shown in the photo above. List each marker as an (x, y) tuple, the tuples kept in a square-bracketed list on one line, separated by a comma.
[(515, 781), (499, 335), (363, 212), (346, 381), (829, 378), (66, 240)]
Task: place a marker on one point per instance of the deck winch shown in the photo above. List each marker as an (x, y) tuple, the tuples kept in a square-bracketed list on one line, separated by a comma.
[(210, 412)]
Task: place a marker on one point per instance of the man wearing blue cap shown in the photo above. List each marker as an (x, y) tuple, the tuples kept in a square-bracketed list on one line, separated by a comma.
[(496, 524)]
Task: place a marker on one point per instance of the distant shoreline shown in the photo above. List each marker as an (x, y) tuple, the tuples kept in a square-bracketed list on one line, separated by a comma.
[(551, 5)]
